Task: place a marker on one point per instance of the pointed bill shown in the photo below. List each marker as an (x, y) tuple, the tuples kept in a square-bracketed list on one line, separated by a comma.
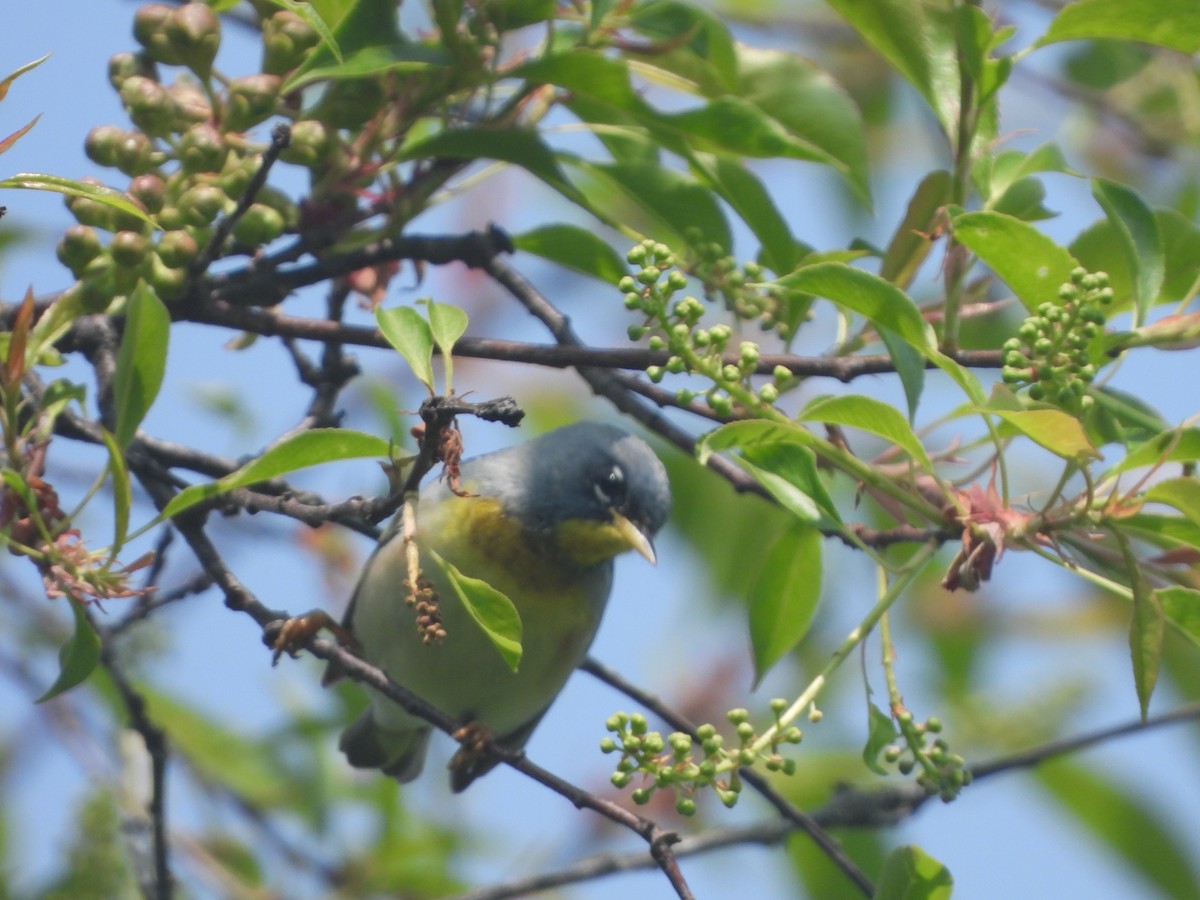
[(635, 537)]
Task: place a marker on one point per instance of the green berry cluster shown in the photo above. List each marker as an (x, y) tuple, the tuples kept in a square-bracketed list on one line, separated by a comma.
[(674, 325), (672, 762), (737, 286), (1051, 350), (186, 155), (941, 772)]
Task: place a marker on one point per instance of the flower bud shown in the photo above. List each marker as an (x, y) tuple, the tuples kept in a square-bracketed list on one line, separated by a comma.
[(101, 144), (251, 99), (126, 65), (149, 30), (149, 190), (177, 248), (287, 38), (78, 247), (194, 33), (128, 248), (258, 226), (201, 204), (311, 143), (202, 149), (149, 105)]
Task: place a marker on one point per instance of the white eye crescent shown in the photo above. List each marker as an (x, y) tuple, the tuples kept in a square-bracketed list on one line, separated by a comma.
[(610, 486)]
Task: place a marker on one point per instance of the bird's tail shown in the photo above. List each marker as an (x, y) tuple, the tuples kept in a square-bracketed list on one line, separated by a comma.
[(400, 754)]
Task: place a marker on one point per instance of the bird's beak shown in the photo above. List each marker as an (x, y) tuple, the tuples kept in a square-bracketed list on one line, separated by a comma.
[(635, 537)]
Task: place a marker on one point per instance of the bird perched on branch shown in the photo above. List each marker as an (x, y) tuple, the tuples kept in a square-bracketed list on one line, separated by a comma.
[(541, 523)]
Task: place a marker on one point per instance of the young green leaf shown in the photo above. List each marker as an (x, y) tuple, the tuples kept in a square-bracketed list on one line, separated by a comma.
[(912, 240), (141, 361), (78, 656), (576, 248), (1181, 608), (491, 610), (911, 874), (447, 324), (1146, 632), (307, 448), (33, 181), (1058, 432), (122, 491), (746, 195), (871, 415), (408, 332), (784, 597), (1141, 242), (881, 731), (1181, 493), (789, 473), (1174, 24)]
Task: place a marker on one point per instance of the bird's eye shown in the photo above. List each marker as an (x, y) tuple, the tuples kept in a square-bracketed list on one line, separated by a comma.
[(610, 486)]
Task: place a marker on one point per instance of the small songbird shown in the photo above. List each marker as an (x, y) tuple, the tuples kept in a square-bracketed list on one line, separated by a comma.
[(541, 522)]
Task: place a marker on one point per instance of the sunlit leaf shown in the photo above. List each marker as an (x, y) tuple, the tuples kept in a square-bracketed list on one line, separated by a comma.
[(300, 451), (1137, 229), (36, 182), (576, 248), (408, 332), (1174, 24), (788, 471), (447, 324), (871, 415), (1030, 263), (1058, 432), (491, 610), (881, 731), (1146, 632), (1181, 493), (1181, 608)]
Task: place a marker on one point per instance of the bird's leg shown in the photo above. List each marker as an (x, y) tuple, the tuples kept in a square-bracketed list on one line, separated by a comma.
[(292, 634)]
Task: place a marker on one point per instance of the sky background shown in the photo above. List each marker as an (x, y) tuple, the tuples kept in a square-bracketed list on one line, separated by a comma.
[(663, 627)]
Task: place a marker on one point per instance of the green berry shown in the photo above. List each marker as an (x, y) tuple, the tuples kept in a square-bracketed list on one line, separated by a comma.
[(768, 393), (685, 806)]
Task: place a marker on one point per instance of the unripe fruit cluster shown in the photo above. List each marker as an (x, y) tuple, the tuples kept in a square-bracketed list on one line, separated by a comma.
[(186, 157), (1051, 351), (940, 772)]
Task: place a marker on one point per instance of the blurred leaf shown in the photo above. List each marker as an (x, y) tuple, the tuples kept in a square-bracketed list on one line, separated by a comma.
[(33, 181), (122, 491), (1007, 168), (310, 14), (910, 367), (918, 42), (447, 324), (881, 731), (912, 241), (1181, 493), (870, 415), (1181, 607), (1023, 200), (1146, 633), (218, 754), (78, 657), (784, 597), (673, 202), (520, 146), (348, 27), (1174, 24), (400, 57), (1176, 445), (301, 450), (6, 143), (1119, 417), (141, 361), (1030, 263), (1137, 229), (911, 874), (1124, 824), (1058, 432), (576, 248), (747, 196), (707, 56), (492, 610), (409, 333)]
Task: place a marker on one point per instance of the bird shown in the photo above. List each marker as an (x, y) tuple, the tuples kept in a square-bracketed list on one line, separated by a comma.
[(541, 522)]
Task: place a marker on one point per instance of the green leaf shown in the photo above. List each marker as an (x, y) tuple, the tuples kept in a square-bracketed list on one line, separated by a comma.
[(78, 656), (919, 42), (523, 147), (868, 414), (1119, 417), (911, 243), (32, 181), (1181, 608), (408, 332), (911, 874), (315, 21), (1029, 262), (746, 195), (491, 610), (1138, 231), (1058, 432), (1181, 493), (672, 203), (1124, 823), (576, 248), (1176, 445), (1005, 169), (447, 324), (814, 111), (784, 597), (1174, 24), (401, 57), (348, 27), (788, 471), (879, 301), (881, 731), (307, 448), (1146, 632), (122, 491), (696, 43), (910, 366), (141, 361)]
